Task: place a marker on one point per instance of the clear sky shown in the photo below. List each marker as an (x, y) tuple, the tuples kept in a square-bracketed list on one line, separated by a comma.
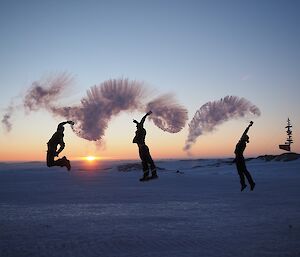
[(199, 50)]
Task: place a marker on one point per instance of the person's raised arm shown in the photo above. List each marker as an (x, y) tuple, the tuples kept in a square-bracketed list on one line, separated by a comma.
[(247, 129), (61, 147), (66, 122), (144, 118)]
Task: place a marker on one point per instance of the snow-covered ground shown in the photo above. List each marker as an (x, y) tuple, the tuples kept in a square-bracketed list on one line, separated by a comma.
[(105, 211)]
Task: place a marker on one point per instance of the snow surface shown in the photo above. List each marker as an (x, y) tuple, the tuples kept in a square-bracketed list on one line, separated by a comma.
[(105, 211)]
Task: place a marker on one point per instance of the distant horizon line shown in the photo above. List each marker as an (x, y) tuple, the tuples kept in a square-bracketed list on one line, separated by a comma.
[(138, 160)]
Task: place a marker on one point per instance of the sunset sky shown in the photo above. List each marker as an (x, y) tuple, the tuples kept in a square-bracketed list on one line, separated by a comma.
[(198, 50)]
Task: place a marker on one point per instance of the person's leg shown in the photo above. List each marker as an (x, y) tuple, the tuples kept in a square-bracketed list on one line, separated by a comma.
[(239, 166), (151, 163), (62, 162), (67, 163), (249, 178), (143, 156), (50, 159)]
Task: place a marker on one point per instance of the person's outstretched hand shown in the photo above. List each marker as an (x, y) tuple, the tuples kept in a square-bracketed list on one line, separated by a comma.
[(71, 122), (148, 113), (251, 123)]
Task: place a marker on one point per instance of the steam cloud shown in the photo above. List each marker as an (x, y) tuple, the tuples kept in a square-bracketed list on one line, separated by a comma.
[(168, 115), (46, 91), (215, 113), (101, 103), (6, 118), (41, 94)]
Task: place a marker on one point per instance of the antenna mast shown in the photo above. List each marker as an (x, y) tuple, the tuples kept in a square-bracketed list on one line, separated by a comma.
[(289, 140)]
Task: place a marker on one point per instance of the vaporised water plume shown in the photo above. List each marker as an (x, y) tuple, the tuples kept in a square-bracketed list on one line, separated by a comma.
[(7, 124), (215, 113), (94, 112), (167, 114), (43, 93), (101, 103)]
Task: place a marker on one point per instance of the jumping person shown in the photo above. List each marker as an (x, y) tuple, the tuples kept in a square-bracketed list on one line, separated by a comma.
[(240, 161), (144, 153), (55, 140)]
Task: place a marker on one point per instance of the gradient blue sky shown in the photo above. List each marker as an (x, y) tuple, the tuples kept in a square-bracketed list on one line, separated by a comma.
[(200, 50)]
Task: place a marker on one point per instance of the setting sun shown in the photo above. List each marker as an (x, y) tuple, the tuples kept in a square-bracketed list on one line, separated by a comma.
[(90, 158)]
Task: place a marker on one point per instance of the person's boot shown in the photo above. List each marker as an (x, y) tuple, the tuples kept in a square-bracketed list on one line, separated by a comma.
[(67, 163), (145, 176), (153, 174), (252, 186), (243, 187)]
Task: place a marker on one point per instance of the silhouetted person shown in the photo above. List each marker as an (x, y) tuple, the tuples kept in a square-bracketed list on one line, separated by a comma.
[(55, 140), (144, 153), (240, 161)]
